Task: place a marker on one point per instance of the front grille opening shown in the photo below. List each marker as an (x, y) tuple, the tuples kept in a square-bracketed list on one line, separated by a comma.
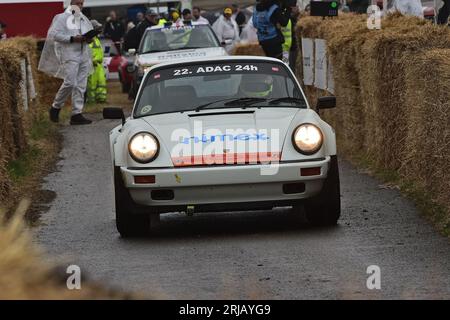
[(162, 195), (291, 188)]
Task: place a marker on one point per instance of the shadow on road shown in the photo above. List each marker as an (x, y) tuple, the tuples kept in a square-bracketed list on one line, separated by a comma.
[(280, 221)]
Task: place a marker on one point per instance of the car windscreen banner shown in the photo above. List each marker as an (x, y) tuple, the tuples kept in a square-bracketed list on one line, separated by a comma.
[(217, 69)]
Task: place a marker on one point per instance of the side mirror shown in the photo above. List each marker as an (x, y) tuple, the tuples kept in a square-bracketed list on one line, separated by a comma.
[(132, 52), (227, 42), (326, 103), (114, 113)]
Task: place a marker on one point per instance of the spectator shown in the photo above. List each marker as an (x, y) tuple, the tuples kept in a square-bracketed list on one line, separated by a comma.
[(174, 16), (140, 17), (96, 86), (358, 6), (196, 16), (151, 19), (2, 31), (227, 30), (444, 13), (187, 15), (73, 63), (238, 16), (114, 29), (408, 7), (268, 17), (130, 40)]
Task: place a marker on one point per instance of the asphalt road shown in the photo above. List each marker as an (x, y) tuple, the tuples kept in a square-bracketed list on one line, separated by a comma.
[(256, 255)]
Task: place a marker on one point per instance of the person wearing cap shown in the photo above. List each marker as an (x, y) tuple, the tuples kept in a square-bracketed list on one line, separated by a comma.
[(227, 30), (151, 20), (2, 31), (174, 16), (96, 87)]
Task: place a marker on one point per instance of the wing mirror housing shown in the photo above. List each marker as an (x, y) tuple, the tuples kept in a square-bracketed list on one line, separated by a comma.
[(227, 42), (132, 52), (326, 103), (114, 113)]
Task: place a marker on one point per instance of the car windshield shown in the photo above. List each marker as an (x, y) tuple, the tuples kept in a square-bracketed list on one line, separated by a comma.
[(178, 38), (218, 85)]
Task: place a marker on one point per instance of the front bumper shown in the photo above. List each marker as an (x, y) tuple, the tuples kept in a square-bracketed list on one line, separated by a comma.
[(228, 184)]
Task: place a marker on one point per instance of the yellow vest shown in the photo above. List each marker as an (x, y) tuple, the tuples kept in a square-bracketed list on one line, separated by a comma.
[(287, 34)]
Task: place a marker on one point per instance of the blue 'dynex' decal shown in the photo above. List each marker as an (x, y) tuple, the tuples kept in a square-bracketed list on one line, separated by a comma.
[(226, 137)]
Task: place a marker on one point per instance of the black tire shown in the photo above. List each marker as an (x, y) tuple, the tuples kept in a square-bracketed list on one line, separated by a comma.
[(325, 208), (130, 219)]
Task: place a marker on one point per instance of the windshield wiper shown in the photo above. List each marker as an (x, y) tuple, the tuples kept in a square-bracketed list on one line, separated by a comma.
[(203, 106), (245, 101), (242, 102), (288, 99)]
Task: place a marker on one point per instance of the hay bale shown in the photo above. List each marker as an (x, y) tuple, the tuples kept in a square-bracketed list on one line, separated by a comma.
[(11, 134), (15, 123), (248, 49), (385, 56), (427, 144)]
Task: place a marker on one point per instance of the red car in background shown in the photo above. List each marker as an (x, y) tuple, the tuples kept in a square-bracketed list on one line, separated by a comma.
[(126, 70)]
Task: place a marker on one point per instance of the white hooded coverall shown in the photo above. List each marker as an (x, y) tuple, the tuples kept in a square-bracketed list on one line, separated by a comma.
[(227, 29), (408, 7), (66, 60)]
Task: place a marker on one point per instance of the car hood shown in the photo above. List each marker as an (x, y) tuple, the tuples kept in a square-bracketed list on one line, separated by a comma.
[(150, 59), (233, 132)]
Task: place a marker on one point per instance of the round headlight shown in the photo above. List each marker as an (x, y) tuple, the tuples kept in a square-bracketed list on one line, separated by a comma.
[(307, 139), (143, 147)]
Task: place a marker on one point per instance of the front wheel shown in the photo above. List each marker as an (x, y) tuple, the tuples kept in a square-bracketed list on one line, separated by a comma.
[(130, 220), (325, 208)]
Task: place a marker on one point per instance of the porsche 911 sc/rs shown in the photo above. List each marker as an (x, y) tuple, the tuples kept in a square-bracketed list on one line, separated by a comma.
[(222, 134)]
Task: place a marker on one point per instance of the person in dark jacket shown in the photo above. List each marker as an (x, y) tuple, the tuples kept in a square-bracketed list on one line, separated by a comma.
[(130, 40), (151, 20), (238, 16), (268, 18), (358, 6), (114, 29), (444, 13)]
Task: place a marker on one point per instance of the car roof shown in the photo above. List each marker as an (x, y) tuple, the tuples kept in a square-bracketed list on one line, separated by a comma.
[(216, 59)]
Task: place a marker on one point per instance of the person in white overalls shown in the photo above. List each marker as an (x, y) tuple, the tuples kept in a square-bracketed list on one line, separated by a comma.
[(67, 55)]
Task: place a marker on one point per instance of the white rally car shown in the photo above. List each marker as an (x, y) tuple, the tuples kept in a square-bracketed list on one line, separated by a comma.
[(229, 133), (174, 42)]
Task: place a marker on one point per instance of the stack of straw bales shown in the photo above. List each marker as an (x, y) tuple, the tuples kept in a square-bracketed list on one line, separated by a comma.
[(426, 152), (15, 122), (392, 88)]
